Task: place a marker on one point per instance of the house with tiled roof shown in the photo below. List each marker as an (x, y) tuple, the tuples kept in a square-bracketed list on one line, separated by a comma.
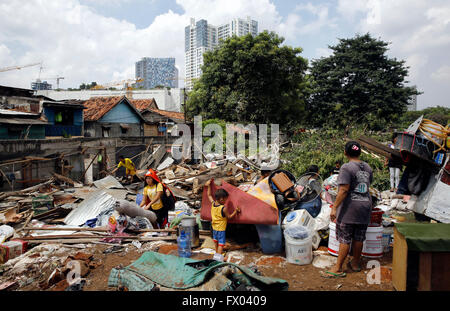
[(159, 122), (112, 117)]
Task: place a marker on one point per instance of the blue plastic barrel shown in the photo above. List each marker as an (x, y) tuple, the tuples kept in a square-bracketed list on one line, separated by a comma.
[(270, 238)]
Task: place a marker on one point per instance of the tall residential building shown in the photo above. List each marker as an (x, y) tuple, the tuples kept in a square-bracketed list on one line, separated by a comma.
[(238, 27), (201, 37), (40, 85), (156, 72)]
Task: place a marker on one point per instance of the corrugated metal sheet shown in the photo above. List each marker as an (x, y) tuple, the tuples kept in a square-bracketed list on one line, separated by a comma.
[(108, 182), (96, 203), (17, 113), (27, 121)]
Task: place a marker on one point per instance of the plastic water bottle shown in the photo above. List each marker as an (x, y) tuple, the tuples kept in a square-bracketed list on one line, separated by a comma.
[(184, 245)]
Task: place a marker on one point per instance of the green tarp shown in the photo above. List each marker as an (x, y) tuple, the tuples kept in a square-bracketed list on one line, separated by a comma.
[(183, 273), (426, 237)]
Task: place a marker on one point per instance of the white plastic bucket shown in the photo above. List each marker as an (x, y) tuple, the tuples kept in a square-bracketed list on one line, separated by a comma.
[(333, 243), (299, 217), (373, 245), (298, 251)]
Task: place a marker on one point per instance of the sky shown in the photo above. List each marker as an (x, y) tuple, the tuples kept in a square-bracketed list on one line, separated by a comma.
[(100, 40)]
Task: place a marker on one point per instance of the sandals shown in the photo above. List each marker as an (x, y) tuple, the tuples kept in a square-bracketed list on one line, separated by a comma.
[(349, 265), (332, 275)]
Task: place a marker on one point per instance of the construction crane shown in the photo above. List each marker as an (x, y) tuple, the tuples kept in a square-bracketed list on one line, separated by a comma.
[(19, 67), (57, 78)]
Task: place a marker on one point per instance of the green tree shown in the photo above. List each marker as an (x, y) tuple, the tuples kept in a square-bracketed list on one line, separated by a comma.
[(437, 114), (251, 79), (358, 83), (326, 146)]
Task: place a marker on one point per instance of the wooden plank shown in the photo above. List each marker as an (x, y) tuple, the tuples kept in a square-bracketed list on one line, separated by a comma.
[(64, 179), (180, 193), (87, 241), (7, 179), (141, 162), (440, 273), (425, 270), (399, 261), (23, 191), (67, 229), (69, 236), (383, 149)]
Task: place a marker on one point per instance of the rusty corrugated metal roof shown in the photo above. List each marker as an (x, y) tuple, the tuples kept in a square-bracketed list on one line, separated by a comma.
[(169, 114)]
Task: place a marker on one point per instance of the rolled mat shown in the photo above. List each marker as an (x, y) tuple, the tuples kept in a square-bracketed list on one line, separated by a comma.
[(130, 209)]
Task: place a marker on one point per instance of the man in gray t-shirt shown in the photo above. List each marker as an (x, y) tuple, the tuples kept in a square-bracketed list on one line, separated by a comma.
[(352, 209), (357, 205)]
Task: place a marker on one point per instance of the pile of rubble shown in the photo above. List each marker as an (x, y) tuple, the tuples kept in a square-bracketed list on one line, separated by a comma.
[(62, 216)]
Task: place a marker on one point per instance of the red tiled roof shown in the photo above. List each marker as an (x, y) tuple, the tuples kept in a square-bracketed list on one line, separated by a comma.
[(142, 104), (97, 107)]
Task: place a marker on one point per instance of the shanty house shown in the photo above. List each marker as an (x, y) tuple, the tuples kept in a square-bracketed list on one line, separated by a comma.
[(159, 122), (20, 114), (112, 117), (64, 118), (21, 125)]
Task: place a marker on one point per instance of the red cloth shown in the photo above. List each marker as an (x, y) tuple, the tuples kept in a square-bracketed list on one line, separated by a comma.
[(253, 210)]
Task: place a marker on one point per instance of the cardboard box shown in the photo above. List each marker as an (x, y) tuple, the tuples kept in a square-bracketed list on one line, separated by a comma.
[(12, 249)]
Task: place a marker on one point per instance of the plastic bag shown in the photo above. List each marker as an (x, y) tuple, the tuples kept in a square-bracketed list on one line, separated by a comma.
[(5, 233), (297, 232), (139, 223), (103, 217), (183, 207), (330, 185)]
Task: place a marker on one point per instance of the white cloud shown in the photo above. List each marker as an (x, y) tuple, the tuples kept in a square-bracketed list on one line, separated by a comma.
[(419, 31), (442, 75), (75, 41), (5, 56), (416, 62), (323, 52), (295, 24)]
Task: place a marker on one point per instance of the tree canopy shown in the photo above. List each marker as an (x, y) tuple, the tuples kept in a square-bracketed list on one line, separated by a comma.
[(437, 114), (251, 79), (358, 83)]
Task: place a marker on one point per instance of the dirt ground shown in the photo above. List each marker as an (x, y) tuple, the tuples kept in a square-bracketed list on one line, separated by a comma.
[(98, 266), (299, 277)]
